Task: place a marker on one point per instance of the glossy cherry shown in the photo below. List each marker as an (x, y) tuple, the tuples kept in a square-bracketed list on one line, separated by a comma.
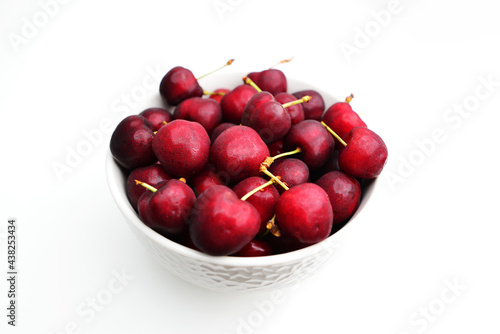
[(313, 139), (205, 179), (344, 193), (166, 209), (341, 118), (207, 112), (179, 84), (182, 147), (233, 103), (365, 154), (266, 116), (291, 171), (295, 111), (221, 223), (219, 129), (304, 213), (157, 116), (238, 153), (271, 80), (255, 248), (152, 174), (131, 142), (263, 200)]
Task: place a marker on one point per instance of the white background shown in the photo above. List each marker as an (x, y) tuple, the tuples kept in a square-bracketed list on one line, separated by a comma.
[(435, 224)]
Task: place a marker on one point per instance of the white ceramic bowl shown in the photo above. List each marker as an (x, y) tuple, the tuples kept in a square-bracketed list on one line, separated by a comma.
[(230, 273)]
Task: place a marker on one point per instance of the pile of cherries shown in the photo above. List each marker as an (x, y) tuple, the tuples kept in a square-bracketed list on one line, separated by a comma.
[(250, 171)]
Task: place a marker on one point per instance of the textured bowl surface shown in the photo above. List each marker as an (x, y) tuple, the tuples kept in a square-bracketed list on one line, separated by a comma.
[(229, 273)]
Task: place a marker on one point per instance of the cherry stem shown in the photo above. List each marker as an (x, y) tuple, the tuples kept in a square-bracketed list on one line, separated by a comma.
[(165, 122), (349, 98), (297, 150), (249, 81), (183, 180), (213, 93), (229, 62), (281, 62), (305, 99), (275, 178), (262, 186), (145, 185), (334, 134), (273, 228)]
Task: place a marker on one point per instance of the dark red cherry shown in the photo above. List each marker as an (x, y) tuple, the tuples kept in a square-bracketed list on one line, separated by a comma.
[(313, 139), (219, 129), (291, 171), (152, 175), (205, 179), (221, 223), (207, 112), (182, 147), (295, 111), (255, 248), (344, 193), (238, 152), (341, 118), (315, 108), (166, 210), (266, 116), (365, 154), (131, 142), (157, 116), (233, 103), (263, 200), (272, 80), (304, 213), (178, 85)]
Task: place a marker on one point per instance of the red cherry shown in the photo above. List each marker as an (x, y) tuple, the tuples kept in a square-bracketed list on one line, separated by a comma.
[(165, 209), (238, 153), (157, 116), (272, 81), (263, 200), (292, 172), (131, 142), (233, 103), (207, 112), (152, 174), (313, 139), (221, 223), (295, 111), (179, 84), (344, 193), (266, 116), (182, 147), (205, 179), (304, 213), (365, 154), (315, 108), (255, 248)]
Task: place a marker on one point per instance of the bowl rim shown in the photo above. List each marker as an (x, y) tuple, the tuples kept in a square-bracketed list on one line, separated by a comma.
[(116, 184)]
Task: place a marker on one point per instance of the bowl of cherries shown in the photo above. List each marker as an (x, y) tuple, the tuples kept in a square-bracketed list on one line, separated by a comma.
[(248, 183)]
